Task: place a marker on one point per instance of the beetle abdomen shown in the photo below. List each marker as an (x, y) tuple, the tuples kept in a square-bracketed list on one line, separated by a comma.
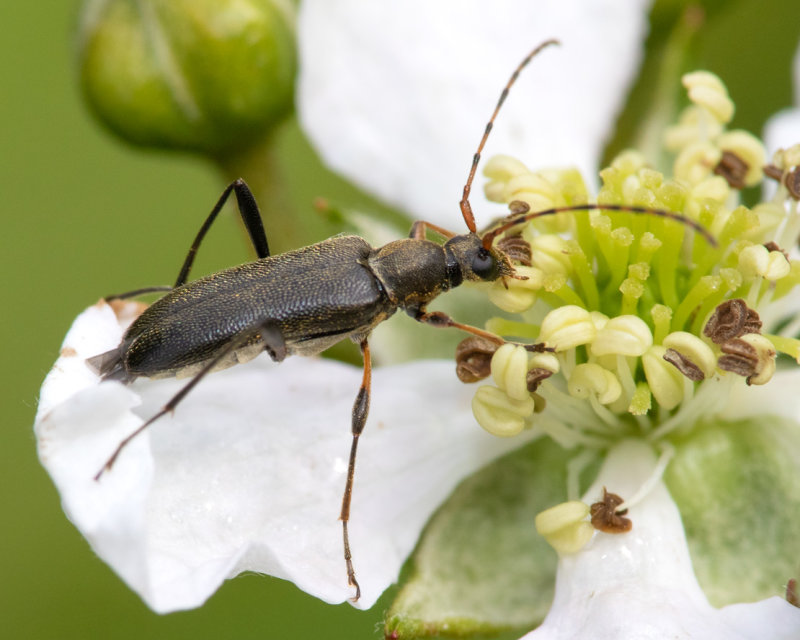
[(313, 297)]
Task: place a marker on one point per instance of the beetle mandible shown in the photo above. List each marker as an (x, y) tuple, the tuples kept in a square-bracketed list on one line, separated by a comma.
[(304, 301)]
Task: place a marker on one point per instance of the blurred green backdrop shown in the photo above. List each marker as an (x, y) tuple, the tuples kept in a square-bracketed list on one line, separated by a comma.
[(84, 215)]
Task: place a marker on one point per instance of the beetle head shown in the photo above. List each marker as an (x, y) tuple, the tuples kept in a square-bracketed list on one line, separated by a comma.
[(476, 262)]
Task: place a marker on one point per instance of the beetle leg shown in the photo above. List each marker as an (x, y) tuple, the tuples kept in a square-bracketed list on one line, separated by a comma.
[(274, 344), (419, 228), (441, 319), (136, 292), (176, 399), (360, 412), (251, 216)]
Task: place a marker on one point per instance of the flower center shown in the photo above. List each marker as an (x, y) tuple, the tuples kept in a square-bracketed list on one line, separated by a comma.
[(626, 324)]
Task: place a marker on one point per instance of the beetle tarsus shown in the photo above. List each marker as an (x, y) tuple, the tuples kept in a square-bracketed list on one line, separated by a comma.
[(441, 319)]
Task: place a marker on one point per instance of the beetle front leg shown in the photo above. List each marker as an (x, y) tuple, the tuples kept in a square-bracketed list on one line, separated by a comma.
[(359, 419), (419, 228), (441, 319)]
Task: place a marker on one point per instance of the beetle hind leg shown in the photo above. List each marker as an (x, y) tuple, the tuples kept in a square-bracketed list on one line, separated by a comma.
[(175, 400), (359, 419)]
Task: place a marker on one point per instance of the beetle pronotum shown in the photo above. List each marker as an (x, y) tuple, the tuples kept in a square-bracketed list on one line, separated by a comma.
[(304, 301)]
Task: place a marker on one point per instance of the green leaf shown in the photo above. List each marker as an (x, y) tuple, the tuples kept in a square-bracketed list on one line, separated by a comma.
[(480, 566), (737, 489)]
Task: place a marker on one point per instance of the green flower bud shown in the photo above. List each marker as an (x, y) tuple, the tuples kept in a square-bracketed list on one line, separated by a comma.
[(201, 75)]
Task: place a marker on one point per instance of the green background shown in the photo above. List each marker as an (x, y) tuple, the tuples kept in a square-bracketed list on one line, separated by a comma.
[(85, 215)]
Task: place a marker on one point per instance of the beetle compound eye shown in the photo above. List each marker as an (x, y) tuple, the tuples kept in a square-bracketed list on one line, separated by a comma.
[(484, 265)]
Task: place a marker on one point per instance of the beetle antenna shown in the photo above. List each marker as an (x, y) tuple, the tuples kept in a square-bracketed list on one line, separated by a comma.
[(521, 215), (466, 208)]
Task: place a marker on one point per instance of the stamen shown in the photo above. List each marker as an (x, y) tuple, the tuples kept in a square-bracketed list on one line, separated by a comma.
[(667, 453), (564, 526)]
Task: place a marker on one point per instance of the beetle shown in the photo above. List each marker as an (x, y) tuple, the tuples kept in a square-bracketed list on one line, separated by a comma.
[(304, 301)]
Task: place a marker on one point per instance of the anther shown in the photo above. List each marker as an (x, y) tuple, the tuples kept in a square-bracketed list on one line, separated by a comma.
[(752, 356), (516, 248), (535, 377), (474, 358), (731, 319), (792, 182), (733, 169), (605, 517), (684, 365)]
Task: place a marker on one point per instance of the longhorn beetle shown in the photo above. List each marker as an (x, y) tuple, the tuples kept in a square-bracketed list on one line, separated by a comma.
[(304, 301)]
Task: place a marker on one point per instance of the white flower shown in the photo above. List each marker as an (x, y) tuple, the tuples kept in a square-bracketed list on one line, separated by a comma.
[(641, 585), (395, 96), (783, 129), (248, 472)]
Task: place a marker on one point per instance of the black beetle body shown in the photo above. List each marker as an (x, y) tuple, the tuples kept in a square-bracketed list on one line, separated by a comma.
[(310, 299)]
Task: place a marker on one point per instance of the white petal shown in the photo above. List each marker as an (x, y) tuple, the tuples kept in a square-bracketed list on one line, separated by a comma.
[(641, 584), (778, 398), (248, 473), (783, 129), (395, 96)]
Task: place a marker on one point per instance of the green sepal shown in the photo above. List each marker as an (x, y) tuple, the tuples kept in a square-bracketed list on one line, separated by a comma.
[(737, 486), (480, 567)]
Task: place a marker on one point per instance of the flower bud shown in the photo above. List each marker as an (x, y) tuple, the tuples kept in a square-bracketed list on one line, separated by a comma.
[(199, 76)]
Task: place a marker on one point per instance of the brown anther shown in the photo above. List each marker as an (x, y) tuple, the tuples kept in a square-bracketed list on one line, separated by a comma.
[(538, 347), (792, 593), (518, 207), (605, 517), (740, 358), (474, 358), (535, 377), (773, 246), (684, 365), (771, 171), (733, 169), (792, 182), (516, 248), (731, 319)]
